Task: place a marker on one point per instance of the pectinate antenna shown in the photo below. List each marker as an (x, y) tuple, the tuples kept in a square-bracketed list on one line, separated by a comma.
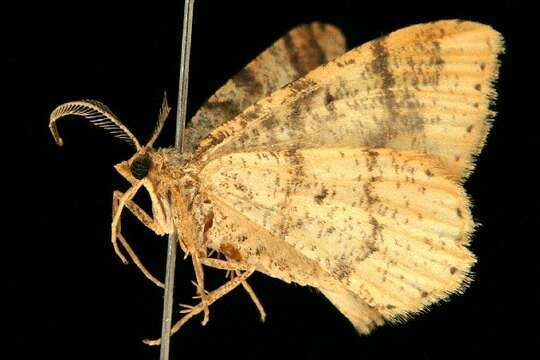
[(98, 114)]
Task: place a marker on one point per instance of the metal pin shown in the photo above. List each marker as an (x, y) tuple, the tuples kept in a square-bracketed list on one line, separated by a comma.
[(179, 143)]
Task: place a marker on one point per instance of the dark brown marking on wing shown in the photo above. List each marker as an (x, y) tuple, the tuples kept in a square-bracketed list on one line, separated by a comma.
[(371, 159), (231, 252), (294, 57), (376, 234), (380, 66), (300, 106), (208, 222), (342, 270), (329, 102), (307, 55), (369, 194), (304, 44), (321, 196), (403, 113), (245, 79), (317, 53), (228, 108), (296, 160)]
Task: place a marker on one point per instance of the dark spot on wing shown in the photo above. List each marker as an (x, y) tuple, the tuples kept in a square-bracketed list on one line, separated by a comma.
[(329, 102), (231, 252), (321, 196)]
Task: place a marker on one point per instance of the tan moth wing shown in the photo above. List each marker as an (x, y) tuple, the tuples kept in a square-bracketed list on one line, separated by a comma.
[(425, 87), (301, 50), (387, 226), (348, 179)]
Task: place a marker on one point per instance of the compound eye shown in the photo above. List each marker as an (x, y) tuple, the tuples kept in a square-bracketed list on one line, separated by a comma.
[(140, 166)]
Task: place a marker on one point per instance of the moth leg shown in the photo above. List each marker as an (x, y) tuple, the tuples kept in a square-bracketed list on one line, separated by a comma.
[(140, 214), (199, 276), (223, 264), (137, 211), (253, 297), (212, 297), (230, 266), (143, 217), (186, 231)]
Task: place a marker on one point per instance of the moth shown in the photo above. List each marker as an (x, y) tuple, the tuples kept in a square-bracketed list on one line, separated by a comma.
[(338, 170)]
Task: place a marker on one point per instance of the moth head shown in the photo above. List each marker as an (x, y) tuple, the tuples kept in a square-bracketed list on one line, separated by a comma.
[(137, 167), (144, 170)]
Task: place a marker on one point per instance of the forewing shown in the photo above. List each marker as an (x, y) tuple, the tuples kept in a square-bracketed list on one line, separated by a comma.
[(301, 50), (426, 88), (388, 225)]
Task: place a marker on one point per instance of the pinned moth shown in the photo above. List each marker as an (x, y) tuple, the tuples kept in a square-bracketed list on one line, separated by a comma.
[(337, 170)]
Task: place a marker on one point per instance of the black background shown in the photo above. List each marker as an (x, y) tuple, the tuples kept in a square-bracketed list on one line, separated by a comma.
[(70, 296)]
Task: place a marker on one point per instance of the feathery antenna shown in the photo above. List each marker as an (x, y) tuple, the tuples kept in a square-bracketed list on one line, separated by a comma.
[(98, 114)]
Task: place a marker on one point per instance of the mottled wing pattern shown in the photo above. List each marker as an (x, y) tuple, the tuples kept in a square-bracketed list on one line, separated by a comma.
[(388, 225), (426, 87), (291, 57), (244, 241)]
